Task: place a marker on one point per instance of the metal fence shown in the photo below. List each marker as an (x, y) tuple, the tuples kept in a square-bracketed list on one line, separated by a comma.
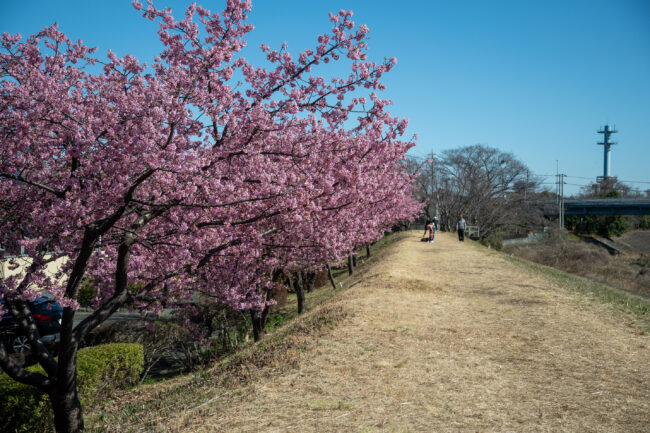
[(473, 232)]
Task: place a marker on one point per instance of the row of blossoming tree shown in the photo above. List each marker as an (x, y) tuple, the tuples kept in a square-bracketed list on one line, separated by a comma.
[(198, 174)]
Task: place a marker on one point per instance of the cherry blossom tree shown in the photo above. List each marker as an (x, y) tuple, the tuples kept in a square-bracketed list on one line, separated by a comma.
[(371, 192), (199, 173)]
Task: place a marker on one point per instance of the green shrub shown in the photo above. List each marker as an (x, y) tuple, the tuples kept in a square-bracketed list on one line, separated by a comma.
[(23, 408), (644, 223), (103, 369), (585, 224), (571, 222), (613, 226), (87, 293), (100, 371), (611, 194), (494, 240), (213, 331)]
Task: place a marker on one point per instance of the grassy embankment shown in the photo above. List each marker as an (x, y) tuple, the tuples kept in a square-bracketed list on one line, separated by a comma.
[(280, 349), (283, 348), (325, 291), (629, 270), (584, 259), (335, 339), (635, 307)]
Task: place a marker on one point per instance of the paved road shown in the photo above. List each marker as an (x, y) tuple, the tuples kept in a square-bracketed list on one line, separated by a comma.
[(119, 316)]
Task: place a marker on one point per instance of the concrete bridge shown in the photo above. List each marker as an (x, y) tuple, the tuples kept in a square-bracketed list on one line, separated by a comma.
[(600, 206)]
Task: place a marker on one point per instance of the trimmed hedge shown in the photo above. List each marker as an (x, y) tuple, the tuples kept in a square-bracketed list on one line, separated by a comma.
[(100, 371)]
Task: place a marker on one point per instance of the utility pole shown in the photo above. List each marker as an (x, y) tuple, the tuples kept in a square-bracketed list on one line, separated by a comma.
[(606, 182), (560, 188), (557, 180), (606, 131)]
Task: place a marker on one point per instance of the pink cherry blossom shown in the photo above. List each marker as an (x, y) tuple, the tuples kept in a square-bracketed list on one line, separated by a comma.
[(159, 183)]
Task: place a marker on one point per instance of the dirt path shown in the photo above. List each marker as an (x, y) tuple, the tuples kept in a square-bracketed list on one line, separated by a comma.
[(450, 337)]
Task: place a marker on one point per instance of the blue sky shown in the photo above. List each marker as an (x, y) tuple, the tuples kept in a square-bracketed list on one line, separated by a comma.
[(535, 78)]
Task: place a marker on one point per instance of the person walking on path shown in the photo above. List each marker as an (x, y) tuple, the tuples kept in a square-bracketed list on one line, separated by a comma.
[(429, 232), (436, 223), (460, 228), (432, 231)]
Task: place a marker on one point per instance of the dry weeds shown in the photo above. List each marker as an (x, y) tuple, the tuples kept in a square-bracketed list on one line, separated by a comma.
[(637, 239), (437, 337), (625, 271)]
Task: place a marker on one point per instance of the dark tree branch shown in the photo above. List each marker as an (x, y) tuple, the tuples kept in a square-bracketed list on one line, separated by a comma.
[(59, 194)]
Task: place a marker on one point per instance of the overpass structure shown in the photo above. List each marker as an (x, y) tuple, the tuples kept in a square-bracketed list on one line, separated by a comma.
[(600, 206)]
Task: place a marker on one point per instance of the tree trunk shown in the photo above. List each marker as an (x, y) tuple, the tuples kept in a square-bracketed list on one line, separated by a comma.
[(311, 280), (300, 292), (354, 260), (367, 250), (290, 280), (350, 265), (258, 319), (68, 415), (330, 276)]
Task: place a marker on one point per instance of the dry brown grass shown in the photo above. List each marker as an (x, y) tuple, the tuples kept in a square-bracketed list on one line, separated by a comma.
[(437, 337), (589, 261), (637, 239)]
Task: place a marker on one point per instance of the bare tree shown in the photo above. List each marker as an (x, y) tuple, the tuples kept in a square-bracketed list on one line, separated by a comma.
[(606, 186), (491, 188)]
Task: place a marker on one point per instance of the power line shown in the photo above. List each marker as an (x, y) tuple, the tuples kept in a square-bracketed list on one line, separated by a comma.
[(587, 178), (634, 181), (620, 180), (579, 177), (590, 178), (424, 158)]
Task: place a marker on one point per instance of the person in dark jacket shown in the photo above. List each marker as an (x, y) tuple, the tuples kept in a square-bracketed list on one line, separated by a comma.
[(460, 228)]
